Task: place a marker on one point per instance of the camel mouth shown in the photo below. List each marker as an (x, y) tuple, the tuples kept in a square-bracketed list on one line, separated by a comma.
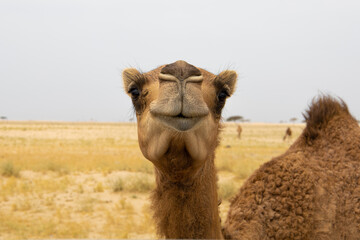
[(181, 116), (179, 122)]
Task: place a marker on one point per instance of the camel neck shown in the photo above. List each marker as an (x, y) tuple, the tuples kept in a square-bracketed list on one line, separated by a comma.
[(188, 209)]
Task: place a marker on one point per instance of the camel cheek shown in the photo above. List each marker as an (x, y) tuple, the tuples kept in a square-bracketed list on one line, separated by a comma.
[(158, 146), (195, 148), (153, 140), (199, 142)]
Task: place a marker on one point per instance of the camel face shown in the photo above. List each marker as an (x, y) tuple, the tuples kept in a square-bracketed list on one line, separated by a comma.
[(178, 108), (180, 104)]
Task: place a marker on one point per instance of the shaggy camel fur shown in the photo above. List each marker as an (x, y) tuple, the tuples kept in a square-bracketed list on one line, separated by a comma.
[(288, 134), (310, 192)]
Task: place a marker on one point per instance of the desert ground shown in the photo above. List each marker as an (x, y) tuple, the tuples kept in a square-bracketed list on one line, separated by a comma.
[(89, 180)]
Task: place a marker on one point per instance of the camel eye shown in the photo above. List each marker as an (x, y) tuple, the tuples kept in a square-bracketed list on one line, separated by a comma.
[(223, 95), (135, 93)]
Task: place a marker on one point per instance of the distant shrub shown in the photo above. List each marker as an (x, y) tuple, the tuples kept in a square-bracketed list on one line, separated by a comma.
[(99, 187), (140, 184), (118, 185), (9, 170), (53, 167), (80, 189), (121, 204)]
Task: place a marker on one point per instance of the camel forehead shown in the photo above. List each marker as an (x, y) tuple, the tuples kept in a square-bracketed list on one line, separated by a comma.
[(178, 67)]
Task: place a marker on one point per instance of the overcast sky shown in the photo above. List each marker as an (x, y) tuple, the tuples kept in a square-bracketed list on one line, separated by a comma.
[(62, 60)]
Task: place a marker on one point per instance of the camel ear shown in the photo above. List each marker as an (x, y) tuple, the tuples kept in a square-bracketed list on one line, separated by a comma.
[(228, 79), (130, 75)]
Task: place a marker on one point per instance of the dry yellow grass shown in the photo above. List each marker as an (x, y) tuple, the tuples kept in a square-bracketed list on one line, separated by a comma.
[(90, 180), (64, 147)]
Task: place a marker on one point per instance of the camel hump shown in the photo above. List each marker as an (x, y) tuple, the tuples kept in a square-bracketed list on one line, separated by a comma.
[(321, 111)]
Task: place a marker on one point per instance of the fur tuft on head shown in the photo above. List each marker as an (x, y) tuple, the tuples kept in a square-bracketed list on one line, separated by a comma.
[(321, 111)]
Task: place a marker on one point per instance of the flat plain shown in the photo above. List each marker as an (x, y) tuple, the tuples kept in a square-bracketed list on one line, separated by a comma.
[(90, 180)]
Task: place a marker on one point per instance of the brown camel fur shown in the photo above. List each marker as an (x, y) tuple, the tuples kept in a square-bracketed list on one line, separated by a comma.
[(239, 130), (310, 192), (288, 134)]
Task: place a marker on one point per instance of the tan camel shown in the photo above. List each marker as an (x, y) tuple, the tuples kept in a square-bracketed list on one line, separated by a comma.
[(310, 192), (239, 130), (288, 134)]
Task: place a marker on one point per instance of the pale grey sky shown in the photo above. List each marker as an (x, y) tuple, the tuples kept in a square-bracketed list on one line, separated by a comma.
[(62, 60)]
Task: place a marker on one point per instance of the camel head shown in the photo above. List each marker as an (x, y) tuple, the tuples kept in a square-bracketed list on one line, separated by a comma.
[(178, 108)]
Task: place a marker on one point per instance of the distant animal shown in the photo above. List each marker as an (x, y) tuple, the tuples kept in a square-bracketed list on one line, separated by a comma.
[(288, 134), (312, 191), (239, 130)]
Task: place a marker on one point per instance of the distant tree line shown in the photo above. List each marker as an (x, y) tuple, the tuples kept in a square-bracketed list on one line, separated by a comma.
[(237, 118), (292, 120)]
